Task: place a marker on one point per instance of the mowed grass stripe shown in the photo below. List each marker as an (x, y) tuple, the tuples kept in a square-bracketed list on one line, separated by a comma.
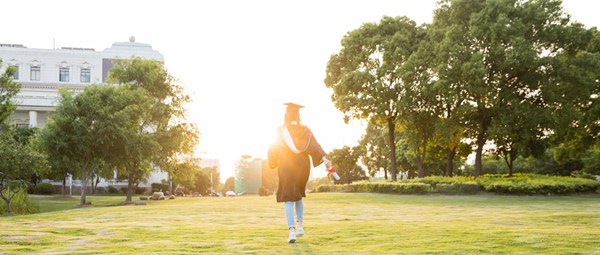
[(336, 223)]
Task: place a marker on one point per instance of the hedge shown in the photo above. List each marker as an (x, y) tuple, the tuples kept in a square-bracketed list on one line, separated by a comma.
[(379, 187), (518, 184), (536, 184), (44, 188)]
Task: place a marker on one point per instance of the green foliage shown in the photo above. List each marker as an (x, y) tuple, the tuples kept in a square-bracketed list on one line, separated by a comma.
[(459, 188), (202, 183), (20, 204), (313, 184), (44, 188), (535, 184), (381, 187), (8, 89), (366, 76), (161, 136), (92, 130), (436, 180), (519, 184), (18, 164), (112, 189), (157, 187), (344, 161)]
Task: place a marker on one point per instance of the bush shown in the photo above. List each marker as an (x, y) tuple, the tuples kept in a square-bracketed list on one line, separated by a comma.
[(156, 187), (140, 190), (262, 191), (378, 187), (44, 188), (458, 188), (20, 204), (112, 189), (535, 184), (100, 190)]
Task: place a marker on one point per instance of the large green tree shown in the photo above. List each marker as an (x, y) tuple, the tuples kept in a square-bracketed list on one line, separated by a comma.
[(163, 138), (345, 163), (92, 128), (497, 53), (575, 97), (366, 74)]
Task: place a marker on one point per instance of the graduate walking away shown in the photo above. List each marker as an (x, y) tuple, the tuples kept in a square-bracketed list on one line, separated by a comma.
[(293, 146)]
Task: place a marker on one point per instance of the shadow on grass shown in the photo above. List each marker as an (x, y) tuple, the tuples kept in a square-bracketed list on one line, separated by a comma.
[(61, 203), (301, 248)]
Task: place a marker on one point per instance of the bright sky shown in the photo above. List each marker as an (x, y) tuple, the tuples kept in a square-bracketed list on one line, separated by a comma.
[(239, 60)]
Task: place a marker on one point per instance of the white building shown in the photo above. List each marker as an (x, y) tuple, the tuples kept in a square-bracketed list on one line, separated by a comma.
[(41, 72)]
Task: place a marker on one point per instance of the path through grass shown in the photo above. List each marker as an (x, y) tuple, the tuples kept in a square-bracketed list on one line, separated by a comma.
[(343, 223)]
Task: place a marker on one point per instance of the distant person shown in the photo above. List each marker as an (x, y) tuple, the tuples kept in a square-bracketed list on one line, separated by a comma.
[(290, 152)]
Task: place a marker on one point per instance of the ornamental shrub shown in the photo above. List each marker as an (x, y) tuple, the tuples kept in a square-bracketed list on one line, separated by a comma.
[(20, 204), (44, 188), (536, 184), (459, 188), (112, 189)]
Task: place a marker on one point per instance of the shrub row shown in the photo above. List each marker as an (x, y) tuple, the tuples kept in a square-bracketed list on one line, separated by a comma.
[(379, 187), (518, 184), (534, 184)]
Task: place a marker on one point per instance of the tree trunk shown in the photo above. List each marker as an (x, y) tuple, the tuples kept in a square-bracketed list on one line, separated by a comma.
[(385, 175), (170, 184), (509, 160), (84, 180), (421, 155), (392, 140), (479, 153), (64, 187), (421, 168), (450, 161), (129, 187), (7, 201)]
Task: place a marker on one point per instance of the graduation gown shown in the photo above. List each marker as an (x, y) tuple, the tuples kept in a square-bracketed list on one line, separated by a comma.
[(294, 169)]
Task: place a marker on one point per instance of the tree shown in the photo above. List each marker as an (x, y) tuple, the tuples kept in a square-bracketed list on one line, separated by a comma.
[(8, 89), (366, 74), (519, 133), (344, 161), (202, 183), (184, 175), (229, 184), (162, 138), (497, 53), (18, 162), (574, 99), (92, 128)]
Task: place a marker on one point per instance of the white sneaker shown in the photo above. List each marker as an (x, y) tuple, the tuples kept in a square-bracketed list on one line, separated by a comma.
[(300, 230), (292, 237)]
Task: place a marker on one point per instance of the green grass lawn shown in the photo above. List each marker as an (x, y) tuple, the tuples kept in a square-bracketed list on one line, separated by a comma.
[(335, 223)]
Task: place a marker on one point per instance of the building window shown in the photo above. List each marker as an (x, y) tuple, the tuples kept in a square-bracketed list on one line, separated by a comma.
[(22, 125), (85, 75), (16, 74), (36, 73), (63, 74)]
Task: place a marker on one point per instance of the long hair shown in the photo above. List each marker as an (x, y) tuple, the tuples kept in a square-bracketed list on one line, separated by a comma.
[(291, 117)]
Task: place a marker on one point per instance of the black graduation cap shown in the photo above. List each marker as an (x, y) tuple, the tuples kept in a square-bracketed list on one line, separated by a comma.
[(293, 108)]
